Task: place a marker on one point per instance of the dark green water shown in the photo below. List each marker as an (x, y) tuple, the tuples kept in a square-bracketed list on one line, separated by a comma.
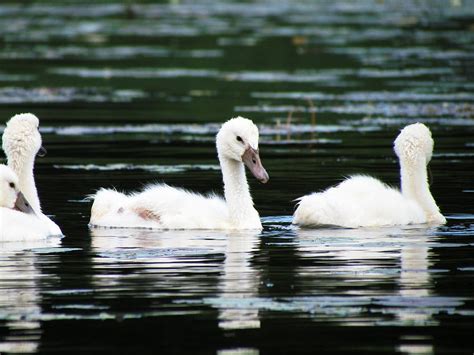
[(131, 94)]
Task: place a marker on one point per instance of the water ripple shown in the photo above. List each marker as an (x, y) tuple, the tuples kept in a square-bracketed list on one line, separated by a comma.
[(103, 53), (16, 95), (162, 169)]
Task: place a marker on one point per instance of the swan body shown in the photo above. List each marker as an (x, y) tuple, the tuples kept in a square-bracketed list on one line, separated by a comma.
[(21, 143), (161, 206), (18, 220), (363, 201)]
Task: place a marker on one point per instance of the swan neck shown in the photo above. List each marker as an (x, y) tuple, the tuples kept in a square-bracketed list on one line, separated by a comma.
[(414, 184), (24, 170), (236, 192)]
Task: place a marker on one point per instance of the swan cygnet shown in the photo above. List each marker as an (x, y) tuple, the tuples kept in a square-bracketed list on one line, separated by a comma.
[(21, 142), (161, 206), (363, 201), (18, 220)]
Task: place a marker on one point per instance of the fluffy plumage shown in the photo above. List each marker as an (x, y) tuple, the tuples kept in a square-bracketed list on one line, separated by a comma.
[(159, 206), (164, 207), (16, 225), (21, 142), (8, 187), (363, 201)]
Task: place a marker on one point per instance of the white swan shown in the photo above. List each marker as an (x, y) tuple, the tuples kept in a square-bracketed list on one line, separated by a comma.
[(363, 201), (18, 220), (10, 195), (165, 207), (21, 142)]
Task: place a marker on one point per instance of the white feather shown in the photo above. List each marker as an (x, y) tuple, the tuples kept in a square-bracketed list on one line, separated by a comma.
[(164, 207), (21, 142), (363, 201), (16, 225)]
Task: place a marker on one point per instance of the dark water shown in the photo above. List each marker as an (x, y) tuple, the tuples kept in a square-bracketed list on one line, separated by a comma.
[(134, 93)]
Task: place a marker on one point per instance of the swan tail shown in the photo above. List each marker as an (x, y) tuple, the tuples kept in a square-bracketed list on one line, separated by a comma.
[(105, 201), (312, 210)]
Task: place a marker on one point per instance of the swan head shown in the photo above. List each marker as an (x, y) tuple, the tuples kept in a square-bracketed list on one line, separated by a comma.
[(413, 142), (237, 140), (21, 138), (10, 195)]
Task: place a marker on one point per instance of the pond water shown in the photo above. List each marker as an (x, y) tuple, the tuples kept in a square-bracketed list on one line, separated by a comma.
[(130, 94)]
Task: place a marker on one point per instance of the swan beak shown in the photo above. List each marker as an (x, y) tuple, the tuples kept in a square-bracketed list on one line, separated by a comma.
[(251, 159), (22, 204), (42, 152)]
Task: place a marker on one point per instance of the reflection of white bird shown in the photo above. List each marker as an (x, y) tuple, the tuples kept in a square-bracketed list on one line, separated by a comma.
[(237, 282), (20, 298), (164, 207), (21, 142), (18, 220), (365, 201)]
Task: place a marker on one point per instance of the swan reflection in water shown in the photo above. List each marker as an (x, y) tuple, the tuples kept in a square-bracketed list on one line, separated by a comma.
[(239, 280), (20, 298), (349, 273), (184, 256), (379, 255)]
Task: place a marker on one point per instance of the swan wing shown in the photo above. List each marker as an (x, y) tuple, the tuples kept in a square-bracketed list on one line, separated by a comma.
[(159, 206), (359, 201), (18, 226)]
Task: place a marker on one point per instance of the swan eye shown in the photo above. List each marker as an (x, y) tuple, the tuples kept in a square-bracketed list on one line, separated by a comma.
[(239, 138), (12, 185)]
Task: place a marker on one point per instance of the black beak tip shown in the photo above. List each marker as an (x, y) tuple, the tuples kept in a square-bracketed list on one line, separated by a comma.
[(22, 204), (42, 152)]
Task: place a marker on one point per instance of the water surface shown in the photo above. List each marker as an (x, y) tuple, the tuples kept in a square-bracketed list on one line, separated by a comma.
[(130, 94)]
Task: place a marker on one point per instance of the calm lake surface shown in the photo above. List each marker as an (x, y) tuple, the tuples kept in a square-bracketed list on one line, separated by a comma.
[(133, 94)]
